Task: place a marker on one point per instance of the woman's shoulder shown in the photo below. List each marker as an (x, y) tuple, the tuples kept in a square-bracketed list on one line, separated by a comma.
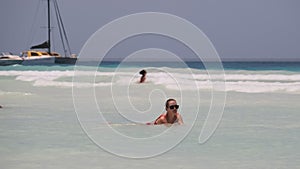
[(160, 118), (164, 115)]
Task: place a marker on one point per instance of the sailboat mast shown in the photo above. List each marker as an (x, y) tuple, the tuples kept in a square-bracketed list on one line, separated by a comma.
[(49, 28)]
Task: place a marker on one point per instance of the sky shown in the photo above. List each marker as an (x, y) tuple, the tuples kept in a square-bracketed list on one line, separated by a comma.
[(238, 29)]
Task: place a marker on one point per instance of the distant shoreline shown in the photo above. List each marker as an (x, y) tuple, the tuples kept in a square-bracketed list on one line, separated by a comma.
[(197, 60)]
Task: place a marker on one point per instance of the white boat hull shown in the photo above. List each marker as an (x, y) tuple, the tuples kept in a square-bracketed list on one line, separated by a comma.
[(7, 59), (45, 60), (10, 62)]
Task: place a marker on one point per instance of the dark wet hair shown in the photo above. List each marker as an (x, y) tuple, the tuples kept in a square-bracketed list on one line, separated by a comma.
[(167, 102), (143, 72)]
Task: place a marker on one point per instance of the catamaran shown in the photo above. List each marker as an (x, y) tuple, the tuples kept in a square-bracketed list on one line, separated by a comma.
[(33, 57), (36, 57)]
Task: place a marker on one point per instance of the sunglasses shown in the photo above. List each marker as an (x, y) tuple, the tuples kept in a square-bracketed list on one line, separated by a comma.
[(174, 106)]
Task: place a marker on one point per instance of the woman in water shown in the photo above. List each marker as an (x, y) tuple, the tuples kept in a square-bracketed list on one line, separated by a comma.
[(171, 116), (143, 78)]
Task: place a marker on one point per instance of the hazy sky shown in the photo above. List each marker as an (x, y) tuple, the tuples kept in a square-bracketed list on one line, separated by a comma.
[(245, 29)]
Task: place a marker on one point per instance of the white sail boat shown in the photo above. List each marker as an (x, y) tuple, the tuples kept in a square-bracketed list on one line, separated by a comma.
[(37, 57), (7, 58)]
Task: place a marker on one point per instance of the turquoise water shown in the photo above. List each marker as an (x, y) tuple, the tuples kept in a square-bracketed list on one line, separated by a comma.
[(39, 126)]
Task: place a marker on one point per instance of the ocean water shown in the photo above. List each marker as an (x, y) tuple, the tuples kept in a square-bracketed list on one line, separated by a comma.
[(94, 117)]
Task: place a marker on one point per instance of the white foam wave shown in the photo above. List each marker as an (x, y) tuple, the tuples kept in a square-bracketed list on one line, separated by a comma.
[(251, 77), (46, 83), (261, 87), (249, 83), (3, 93), (178, 79)]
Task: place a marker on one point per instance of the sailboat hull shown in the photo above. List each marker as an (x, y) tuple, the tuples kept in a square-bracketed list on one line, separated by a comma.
[(66, 60), (7, 59), (47, 60), (8, 62)]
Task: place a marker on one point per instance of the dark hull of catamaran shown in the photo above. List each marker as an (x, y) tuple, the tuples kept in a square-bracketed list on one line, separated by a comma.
[(66, 60)]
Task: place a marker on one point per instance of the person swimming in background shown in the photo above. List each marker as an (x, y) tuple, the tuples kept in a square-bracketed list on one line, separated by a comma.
[(143, 78), (171, 116)]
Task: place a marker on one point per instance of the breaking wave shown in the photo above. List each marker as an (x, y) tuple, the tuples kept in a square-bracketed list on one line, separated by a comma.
[(237, 81)]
